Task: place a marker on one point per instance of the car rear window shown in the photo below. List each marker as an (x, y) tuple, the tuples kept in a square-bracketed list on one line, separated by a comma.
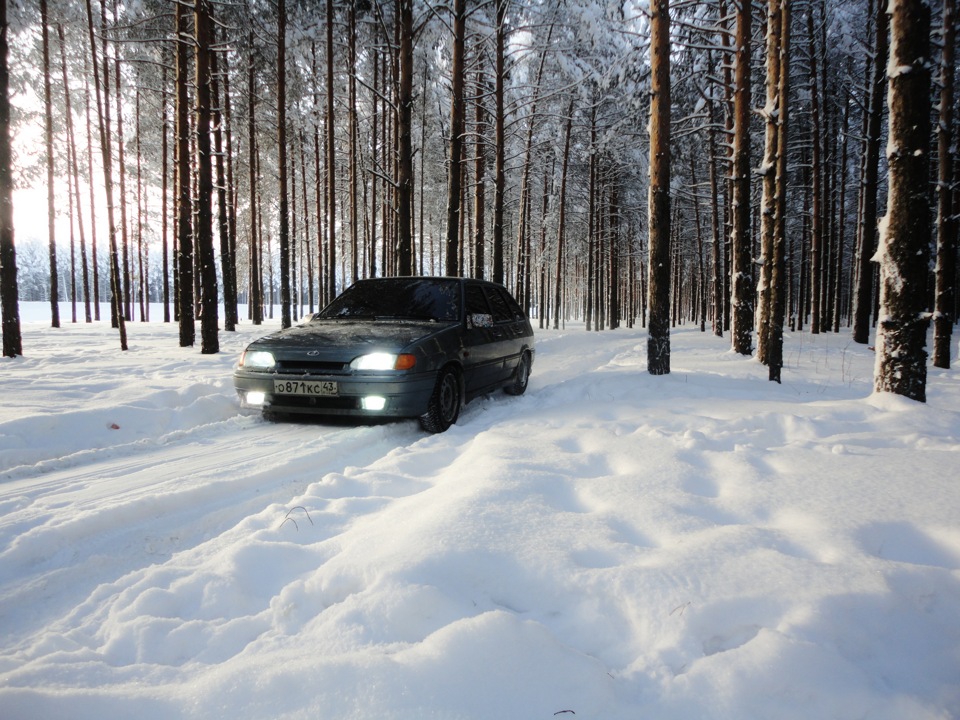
[(397, 298), (501, 310)]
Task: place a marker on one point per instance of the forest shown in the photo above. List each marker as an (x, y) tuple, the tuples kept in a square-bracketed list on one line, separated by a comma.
[(752, 168)]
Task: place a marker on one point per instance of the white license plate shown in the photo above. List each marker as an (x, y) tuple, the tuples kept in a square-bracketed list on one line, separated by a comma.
[(304, 387)]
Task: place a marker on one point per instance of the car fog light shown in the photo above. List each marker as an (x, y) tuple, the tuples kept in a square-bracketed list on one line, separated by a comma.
[(255, 398), (373, 402)]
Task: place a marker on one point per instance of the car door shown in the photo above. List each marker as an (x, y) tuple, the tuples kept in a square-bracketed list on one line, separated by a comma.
[(504, 336), (520, 332), (480, 358)]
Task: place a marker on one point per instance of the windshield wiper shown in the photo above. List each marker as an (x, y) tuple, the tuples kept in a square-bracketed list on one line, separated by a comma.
[(419, 318), (357, 316)]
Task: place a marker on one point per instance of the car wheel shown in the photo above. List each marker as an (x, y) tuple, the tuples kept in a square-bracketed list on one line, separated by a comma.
[(520, 376), (444, 406)]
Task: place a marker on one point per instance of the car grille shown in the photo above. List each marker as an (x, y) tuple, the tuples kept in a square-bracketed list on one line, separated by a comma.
[(312, 367)]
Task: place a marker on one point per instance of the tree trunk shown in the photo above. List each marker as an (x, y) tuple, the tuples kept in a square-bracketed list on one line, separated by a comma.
[(73, 248), (307, 250), (599, 235), (228, 260), (164, 173), (126, 292), (816, 218), (74, 171), (285, 245), (717, 277), (613, 281), (352, 128), (779, 277), (331, 164), (727, 63), (231, 197), (523, 232), (209, 304), (901, 365), (768, 172), (258, 231), (463, 214), (658, 342), (256, 287), (292, 244), (842, 219), (103, 117), (375, 159), (863, 298), (455, 173), (742, 297), (562, 219), (405, 179), (542, 307), (591, 215), (48, 136), (943, 316), (9, 294), (143, 271), (700, 308), (480, 183), (320, 191), (390, 161), (90, 190), (184, 204), (423, 176), (803, 279), (500, 181)]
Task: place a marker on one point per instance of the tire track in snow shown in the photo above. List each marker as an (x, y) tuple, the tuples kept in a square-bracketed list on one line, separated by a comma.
[(96, 522), (91, 517)]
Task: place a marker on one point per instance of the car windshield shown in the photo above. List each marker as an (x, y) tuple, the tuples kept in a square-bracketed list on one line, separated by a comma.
[(397, 299)]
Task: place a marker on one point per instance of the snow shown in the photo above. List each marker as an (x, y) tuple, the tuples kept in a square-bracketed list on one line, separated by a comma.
[(611, 545)]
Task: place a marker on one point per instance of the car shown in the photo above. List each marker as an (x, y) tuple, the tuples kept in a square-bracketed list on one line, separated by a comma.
[(395, 347)]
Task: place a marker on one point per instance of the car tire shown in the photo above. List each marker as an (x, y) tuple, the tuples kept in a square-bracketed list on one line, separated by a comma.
[(518, 386), (444, 406)]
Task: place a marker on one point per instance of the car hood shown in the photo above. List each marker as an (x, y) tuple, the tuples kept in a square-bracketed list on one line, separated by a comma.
[(353, 335)]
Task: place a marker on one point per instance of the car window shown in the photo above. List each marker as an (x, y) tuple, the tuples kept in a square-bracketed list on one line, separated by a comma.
[(501, 310), (476, 301), (513, 305), (397, 298)]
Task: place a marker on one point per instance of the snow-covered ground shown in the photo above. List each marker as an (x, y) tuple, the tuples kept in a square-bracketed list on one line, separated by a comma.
[(611, 545)]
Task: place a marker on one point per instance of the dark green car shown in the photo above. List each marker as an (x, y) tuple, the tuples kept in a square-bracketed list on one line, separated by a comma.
[(393, 347)]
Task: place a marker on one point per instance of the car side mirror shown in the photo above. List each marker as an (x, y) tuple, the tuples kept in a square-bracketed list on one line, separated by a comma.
[(479, 320)]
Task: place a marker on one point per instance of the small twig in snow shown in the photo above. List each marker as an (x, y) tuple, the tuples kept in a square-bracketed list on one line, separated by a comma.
[(287, 517)]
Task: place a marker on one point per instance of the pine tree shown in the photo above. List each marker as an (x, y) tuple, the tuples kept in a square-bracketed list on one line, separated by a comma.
[(658, 343), (9, 294), (901, 365), (741, 245), (209, 314), (944, 314)]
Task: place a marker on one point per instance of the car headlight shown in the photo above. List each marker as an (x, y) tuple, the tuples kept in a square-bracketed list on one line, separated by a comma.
[(384, 361), (258, 359)]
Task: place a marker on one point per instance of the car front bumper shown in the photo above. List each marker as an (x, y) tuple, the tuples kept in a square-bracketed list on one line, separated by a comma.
[(403, 396)]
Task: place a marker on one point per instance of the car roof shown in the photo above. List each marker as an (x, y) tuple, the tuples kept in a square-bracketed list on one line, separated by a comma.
[(445, 278)]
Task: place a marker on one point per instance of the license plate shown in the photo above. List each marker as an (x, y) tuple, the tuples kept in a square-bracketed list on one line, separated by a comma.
[(304, 387)]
